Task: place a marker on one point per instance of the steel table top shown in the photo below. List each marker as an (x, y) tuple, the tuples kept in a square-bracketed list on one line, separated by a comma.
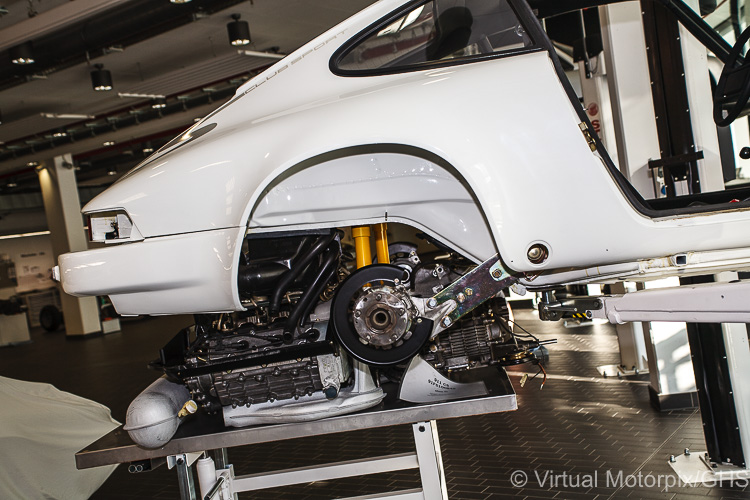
[(207, 432)]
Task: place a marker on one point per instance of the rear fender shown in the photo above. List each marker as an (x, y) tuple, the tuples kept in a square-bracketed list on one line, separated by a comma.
[(372, 184)]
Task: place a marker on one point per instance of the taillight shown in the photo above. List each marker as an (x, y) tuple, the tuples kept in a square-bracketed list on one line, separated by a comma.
[(109, 226)]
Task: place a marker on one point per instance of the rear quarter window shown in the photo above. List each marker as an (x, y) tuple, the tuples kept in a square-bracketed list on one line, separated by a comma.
[(434, 33)]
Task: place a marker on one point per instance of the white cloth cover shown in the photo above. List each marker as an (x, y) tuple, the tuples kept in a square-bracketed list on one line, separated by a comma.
[(41, 429)]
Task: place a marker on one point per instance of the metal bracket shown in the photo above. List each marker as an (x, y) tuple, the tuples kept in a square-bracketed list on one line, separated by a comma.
[(701, 303), (553, 311), (695, 468), (466, 293)]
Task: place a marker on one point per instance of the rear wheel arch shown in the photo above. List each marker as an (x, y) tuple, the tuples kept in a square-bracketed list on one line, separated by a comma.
[(375, 183)]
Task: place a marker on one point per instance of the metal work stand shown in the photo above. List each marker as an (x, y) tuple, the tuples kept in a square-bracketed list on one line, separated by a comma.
[(206, 435)]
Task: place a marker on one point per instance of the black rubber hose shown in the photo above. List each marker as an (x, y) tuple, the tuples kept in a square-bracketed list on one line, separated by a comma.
[(297, 269), (330, 265), (734, 15), (259, 278), (309, 308)]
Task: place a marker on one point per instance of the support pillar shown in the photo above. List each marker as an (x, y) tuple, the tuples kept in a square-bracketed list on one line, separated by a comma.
[(63, 208), (634, 123), (630, 93)]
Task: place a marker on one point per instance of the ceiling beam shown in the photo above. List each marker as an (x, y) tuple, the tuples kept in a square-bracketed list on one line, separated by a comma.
[(52, 20)]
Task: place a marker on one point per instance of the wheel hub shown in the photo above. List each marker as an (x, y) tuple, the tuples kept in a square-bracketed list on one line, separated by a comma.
[(382, 316)]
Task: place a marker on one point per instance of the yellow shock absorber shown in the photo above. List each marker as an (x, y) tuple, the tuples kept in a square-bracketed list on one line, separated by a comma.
[(381, 243), (361, 235)]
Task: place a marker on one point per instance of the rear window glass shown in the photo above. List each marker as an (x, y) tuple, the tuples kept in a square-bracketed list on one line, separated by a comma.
[(436, 31)]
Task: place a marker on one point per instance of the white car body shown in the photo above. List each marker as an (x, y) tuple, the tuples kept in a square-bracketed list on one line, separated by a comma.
[(486, 156)]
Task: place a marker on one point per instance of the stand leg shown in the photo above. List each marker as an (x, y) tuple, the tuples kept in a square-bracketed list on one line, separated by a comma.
[(220, 457), (185, 478), (430, 460)]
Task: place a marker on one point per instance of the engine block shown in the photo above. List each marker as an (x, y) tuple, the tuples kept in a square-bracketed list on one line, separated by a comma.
[(258, 384)]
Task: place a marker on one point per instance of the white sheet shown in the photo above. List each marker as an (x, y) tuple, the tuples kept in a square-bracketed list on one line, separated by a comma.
[(41, 429)]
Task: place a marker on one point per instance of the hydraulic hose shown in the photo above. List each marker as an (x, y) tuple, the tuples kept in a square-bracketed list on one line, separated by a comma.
[(297, 269), (329, 267)]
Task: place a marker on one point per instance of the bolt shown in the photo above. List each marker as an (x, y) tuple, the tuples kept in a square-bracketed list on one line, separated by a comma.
[(672, 459), (379, 296), (537, 253), (469, 291), (357, 314), (687, 451), (460, 297), (431, 303), (447, 322), (496, 274), (419, 320)]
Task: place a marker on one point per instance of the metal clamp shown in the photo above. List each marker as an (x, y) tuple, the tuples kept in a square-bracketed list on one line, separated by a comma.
[(466, 293)]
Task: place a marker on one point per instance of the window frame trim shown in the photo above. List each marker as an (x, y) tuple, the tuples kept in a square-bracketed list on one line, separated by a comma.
[(354, 41)]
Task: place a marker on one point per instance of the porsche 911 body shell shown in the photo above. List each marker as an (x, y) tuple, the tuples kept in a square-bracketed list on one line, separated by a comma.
[(302, 146)]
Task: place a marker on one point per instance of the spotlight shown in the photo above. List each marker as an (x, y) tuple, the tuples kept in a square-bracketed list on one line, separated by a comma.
[(159, 102), (239, 31), (11, 184), (101, 79), (22, 54), (179, 1), (108, 143), (59, 134), (112, 172)]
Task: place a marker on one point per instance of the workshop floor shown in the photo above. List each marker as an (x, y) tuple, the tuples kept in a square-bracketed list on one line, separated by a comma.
[(581, 428)]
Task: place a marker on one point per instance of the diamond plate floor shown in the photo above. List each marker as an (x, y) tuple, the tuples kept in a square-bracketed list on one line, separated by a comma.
[(580, 437)]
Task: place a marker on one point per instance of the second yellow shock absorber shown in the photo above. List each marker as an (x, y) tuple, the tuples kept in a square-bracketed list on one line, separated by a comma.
[(381, 243)]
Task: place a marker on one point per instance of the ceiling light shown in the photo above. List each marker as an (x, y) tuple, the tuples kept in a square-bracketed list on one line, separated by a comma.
[(24, 235), (61, 133), (142, 96), (112, 172), (255, 53), (22, 54), (179, 1), (67, 116), (108, 143), (11, 184), (32, 164), (101, 79), (239, 31), (159, 102)]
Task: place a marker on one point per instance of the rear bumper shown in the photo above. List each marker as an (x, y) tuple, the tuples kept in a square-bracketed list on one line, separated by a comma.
[(182, 274)]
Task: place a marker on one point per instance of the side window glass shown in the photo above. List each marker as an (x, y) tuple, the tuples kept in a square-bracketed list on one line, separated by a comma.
[(439, 30)]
